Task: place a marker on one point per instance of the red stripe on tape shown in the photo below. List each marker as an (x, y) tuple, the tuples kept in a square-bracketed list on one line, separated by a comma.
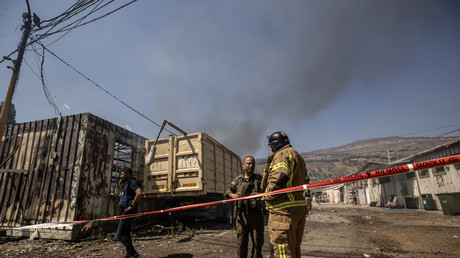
[(356, 177)]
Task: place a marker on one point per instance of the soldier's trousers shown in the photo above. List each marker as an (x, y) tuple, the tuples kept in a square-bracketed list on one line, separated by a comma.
[(251, 224), (286, 232)]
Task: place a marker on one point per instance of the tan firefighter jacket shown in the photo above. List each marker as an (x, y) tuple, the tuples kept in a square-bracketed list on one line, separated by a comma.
[(285, 168)]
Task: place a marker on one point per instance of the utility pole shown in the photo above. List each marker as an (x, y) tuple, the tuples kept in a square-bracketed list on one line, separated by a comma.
[(27, 18)]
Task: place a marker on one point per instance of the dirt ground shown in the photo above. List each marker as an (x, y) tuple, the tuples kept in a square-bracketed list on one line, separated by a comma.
[(332, 230)]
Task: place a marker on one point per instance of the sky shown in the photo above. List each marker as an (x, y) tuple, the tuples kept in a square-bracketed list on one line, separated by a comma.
[(326, 72)]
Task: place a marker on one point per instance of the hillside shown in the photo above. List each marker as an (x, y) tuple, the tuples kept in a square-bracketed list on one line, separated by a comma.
[(339, 161)]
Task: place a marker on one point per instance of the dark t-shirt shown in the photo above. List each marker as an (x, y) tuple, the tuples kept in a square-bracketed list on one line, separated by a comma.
[(129, 192)]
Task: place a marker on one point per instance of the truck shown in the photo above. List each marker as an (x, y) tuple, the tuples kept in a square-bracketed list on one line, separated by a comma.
[(67, 169), (189, 169)]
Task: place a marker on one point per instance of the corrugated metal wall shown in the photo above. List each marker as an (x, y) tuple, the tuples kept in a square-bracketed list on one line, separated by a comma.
[(449, 149), (94, 200), (60, 169)]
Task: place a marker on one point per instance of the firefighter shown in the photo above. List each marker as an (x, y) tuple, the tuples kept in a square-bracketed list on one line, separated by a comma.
[(287, 212), (249, 214)]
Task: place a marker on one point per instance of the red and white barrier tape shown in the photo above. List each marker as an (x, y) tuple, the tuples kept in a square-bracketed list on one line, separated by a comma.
[(53, 224), (378, 173)]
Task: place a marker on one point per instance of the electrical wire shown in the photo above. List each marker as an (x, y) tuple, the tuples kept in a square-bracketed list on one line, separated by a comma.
[(51, 23), (428, 130), (8, 57), (100, 17), (449, 132), (405, 146), (67, 17), (76, 9), (100, 87), (40, 58), (25, 61), (45, 88), (68, 31), (78, 21)]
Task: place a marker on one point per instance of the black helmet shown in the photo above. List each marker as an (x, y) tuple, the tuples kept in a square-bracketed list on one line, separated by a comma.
[(277, 140)]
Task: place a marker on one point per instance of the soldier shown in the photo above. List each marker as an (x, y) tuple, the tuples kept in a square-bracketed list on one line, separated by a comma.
[(285, 168), (249, 218)]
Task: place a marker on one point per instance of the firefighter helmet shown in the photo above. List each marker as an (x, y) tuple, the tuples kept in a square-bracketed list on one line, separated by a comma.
[(277, 140)]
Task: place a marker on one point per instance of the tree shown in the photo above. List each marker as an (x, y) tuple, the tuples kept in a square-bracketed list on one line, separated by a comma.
[(11, 120)]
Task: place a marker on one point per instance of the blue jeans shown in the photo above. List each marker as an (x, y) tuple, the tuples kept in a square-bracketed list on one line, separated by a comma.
[(124, 231)]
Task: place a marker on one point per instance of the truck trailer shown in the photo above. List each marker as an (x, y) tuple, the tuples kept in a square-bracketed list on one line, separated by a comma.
[(189, 169)]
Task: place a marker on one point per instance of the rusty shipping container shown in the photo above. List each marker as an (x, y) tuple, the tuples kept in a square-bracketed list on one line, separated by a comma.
[(65, 169)]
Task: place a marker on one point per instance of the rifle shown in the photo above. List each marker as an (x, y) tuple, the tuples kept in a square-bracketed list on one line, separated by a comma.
[(235, 213), (243, 205)]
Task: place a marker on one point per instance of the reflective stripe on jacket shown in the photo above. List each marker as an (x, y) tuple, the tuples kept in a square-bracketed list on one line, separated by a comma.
[(286, 169)]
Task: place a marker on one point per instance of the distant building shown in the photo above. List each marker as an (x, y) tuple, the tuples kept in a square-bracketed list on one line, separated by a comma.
[(416, 190)]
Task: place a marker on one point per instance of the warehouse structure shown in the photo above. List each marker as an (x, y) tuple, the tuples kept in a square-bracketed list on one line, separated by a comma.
[(423, 189)]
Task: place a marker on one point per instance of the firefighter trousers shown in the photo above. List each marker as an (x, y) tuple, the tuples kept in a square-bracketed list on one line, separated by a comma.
[(286, 232)]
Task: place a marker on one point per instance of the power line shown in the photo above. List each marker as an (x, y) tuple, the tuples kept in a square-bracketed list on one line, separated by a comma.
[(75, 9), (68, 15), (74, 12), (52, 23), (68, 31), (41, 77), (100, 87), (45, 88), (428, 130), (100, 17), (405, 145), (449, 132)]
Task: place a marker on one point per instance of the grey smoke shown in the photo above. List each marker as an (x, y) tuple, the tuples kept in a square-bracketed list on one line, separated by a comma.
[(292, 60)]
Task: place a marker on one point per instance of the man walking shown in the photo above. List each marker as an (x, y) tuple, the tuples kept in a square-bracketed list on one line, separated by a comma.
[(285, 168), (130, 198), (250, 218)]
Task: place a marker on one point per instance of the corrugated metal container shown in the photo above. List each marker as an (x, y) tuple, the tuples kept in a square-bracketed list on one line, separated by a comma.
[(190, 165), (65, 169)]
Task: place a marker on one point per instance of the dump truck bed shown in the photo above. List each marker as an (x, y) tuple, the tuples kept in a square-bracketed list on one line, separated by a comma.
[(190, 165)]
